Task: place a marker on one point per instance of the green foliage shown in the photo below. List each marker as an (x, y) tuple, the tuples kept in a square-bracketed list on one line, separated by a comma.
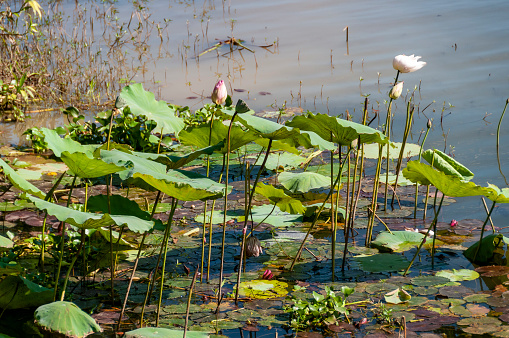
[(320, 311)]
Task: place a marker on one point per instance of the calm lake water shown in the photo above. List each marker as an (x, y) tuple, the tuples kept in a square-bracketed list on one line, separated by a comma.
[(310, 65)]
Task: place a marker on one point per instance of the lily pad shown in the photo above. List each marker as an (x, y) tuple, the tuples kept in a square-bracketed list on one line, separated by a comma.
[(384, 262), (158, 332), (263, 289), (429, 280), (398, 241), (273, 216), (458, 275), (397, 296)]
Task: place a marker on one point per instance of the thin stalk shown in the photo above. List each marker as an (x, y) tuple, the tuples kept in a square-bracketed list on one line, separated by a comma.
[(498, 141), (136, 264), (433, 224), (408, 127), (210, 223), (244, 231), (315, 220), (82, 242), (388, 134), (417, 184), (487, 212), (189, 301), (333, 212), (165, 244), (374, 200), (63, 242), (482, 230), (108, 193), (219, 295)]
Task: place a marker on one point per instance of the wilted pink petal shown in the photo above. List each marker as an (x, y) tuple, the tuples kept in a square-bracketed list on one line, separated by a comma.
[(454, 223)]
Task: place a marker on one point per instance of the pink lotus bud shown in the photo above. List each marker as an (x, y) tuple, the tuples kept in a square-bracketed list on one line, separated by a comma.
[(219, 93), (268, 275), (407, 64), (396, 91), (454, 223)]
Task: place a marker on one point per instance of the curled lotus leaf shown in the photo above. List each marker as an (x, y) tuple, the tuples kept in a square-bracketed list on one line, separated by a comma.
[(65, 318)]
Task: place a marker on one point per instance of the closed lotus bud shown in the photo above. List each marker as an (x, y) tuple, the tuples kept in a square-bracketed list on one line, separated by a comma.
[(429, 124), (407, 64), (396, 91), (219, 93), (454, 223), (268, 275), (253, 247)]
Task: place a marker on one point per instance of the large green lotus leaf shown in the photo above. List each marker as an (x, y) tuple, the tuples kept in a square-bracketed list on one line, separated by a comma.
[(141, 102), (263, 289), (175, 162), (158, 332), (398, 241), (59, 145), (303, 182), (488, 246), (17, 292), (319, 142), (182, 185), (119, 205), (278, 161), (277, 145), (132, 162), (337, 130), (66, 319), (85, 166), (5, 242), (88, 220), (447, 164), (384, 262), (275, 131), (19, 182), (276, 218), (278, 197), (372, 150), (449, 185), (199, 136), (499, 195)]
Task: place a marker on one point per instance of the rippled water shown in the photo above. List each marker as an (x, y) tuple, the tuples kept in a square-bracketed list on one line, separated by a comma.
[(310, 64)]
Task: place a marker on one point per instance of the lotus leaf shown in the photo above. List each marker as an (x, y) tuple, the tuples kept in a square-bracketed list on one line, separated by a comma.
[(397, 241), (58, 144), (397, 296), (372, 150), (384, 262), (17, 292), (303, 182), (19, 182), (5, 242), (485, 254), (458, 275), (273, 216), (447, 164), (279, 198), (65, 318), (142, 102), (263, 289)]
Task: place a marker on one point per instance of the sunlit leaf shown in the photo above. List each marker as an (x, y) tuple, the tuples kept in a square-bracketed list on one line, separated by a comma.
[(19, 182), (175, 162), (65, 318), (397, 296), (458, 275), (5, 242), (337, 130), (142, 102), (262, 289), (159, 332), (278, 197), (58, 144), (273, 216), (447, 164), (303, 182), (85, 166), (398, 241), (372, 150), (87, 220)]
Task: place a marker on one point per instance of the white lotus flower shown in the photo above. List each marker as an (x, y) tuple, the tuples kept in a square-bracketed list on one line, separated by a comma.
[(407, 64)]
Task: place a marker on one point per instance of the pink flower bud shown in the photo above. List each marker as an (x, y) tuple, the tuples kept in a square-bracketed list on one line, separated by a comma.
[(454, 223), (219, 93), (268, 275)]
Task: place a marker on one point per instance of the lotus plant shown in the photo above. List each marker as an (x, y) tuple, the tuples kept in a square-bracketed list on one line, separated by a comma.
[(219, 93)]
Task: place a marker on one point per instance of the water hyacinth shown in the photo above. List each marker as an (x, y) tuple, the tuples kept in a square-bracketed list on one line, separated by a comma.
[(407, 64), (219, 93), (396, 90)]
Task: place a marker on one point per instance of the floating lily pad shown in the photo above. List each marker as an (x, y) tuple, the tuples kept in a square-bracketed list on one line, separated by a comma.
[(455, 291), (263, 289), (273, 216), (397, 296), (383, 262), (158, 332), (397, 241), (493, 271), (458, 275), (429, 280)]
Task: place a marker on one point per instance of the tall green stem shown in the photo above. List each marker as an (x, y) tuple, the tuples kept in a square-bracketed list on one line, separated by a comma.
[(482, 230), (420, 156), (498, 140)]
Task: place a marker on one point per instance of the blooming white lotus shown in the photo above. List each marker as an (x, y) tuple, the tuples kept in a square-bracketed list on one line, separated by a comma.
[(407, 64)]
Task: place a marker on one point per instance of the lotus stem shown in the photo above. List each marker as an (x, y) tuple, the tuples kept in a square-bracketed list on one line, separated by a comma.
[(388, 134), (315, 220), (432, 225), (165, 245), (57, 277), (64, 287), (417, 184), (189, 301), (136, 264), (225, 209), (498, 141), (408, 127), (374, 200), (333, 211), (482, 230), (487, 212), (210, 222)]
